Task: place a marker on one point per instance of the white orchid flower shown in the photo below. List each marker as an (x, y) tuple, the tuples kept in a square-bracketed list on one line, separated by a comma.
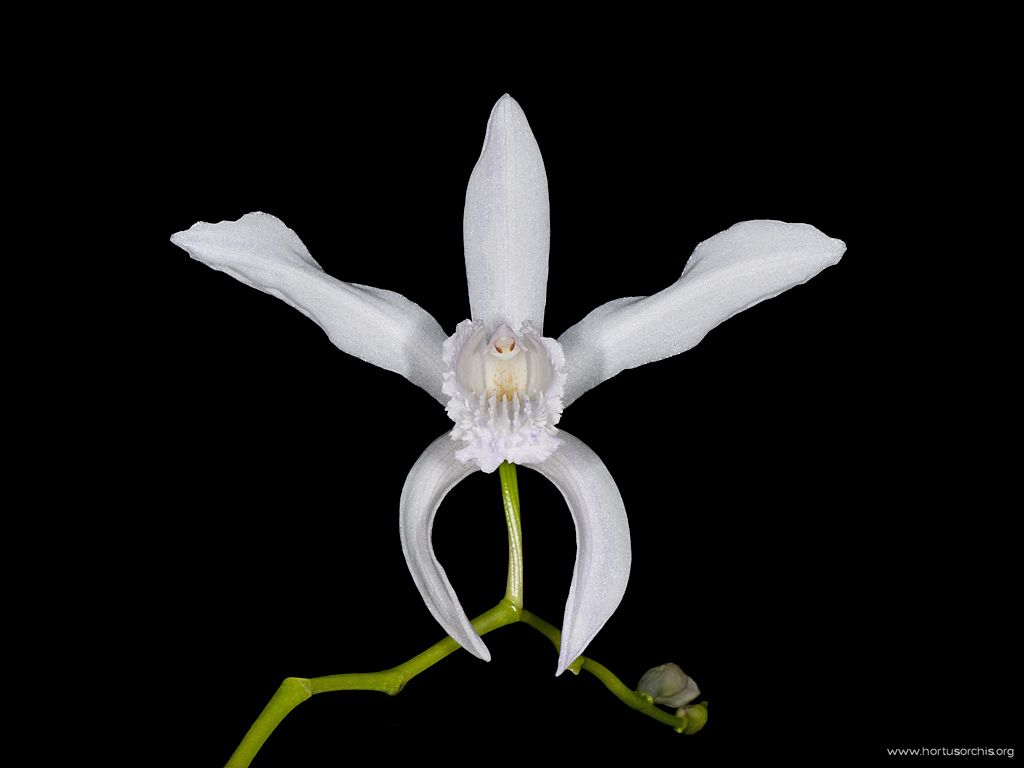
[(503, 382)]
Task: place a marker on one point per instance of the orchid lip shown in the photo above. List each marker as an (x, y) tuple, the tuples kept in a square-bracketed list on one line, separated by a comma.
[(505, 404)]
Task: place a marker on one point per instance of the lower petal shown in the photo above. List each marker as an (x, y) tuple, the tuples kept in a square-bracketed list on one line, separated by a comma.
[(603, 554), (433, 475)]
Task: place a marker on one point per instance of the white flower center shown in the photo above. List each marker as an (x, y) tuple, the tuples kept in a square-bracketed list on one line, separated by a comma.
[(505, 393), (505, 366)]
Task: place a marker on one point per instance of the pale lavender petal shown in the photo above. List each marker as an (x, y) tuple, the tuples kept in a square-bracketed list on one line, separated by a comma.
[(603, 553), (732, 271), (380, 327), (505, 226), (433, 475)]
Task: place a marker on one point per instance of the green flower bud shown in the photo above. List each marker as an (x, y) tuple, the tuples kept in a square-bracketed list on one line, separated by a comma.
[(669, 685), (696, 715)]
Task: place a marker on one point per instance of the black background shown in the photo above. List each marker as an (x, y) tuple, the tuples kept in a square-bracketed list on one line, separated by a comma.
[(810, 541)]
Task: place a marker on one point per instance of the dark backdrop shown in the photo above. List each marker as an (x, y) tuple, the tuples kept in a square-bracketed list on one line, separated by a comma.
[(802, 544)]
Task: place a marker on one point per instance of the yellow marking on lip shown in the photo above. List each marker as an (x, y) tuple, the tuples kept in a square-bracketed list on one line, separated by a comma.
[(504, 385)]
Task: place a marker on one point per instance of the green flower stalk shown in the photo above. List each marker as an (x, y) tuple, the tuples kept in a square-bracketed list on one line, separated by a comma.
[(509, 610)]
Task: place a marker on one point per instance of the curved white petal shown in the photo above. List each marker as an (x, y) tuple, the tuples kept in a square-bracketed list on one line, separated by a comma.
[(736, 269), (434, 474), (380, 327), (603, 554), (505, 227)]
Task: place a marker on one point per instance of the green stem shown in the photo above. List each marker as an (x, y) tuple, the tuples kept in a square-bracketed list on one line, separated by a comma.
[(295, 690), (638, 701), (392, 681), (510, 501)]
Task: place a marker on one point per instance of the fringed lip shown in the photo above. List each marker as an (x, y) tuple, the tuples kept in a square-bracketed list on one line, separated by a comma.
[(495, 424)]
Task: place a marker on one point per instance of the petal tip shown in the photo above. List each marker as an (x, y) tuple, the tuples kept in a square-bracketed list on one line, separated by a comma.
[(473, 644), (187, 239), (831, 248), (838, 249), (506, 102), (469, 639), (505, 113)]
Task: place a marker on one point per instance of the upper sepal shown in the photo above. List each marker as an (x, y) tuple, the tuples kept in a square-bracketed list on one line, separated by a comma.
[(506, 228)]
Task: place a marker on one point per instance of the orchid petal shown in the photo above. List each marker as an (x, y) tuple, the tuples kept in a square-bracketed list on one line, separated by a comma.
[(505, 226), (732, 271), (435, 473), (380, 327), (603, 553)]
